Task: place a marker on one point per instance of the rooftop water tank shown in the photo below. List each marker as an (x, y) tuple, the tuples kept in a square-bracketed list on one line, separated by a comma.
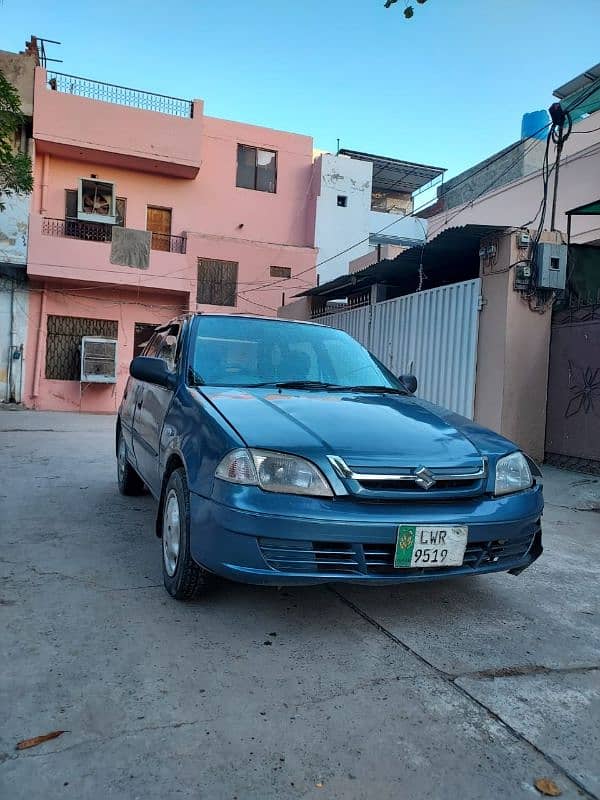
[(535, 125)]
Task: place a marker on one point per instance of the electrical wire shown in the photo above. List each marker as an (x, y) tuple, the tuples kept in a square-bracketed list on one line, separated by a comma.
[(485, 166)]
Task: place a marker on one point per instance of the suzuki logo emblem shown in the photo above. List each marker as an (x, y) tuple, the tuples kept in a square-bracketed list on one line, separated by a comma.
[(424, 478)]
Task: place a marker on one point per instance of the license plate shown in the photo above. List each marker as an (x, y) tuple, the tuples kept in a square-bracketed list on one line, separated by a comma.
[(430, 546)]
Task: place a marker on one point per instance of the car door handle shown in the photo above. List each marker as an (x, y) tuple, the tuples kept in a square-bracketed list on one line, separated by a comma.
[(140, 403)]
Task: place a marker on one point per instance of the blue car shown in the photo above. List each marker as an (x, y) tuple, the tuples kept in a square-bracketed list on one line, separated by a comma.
[(284, 453)]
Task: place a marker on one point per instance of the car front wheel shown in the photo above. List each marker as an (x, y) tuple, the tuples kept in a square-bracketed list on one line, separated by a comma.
[(183, 578)]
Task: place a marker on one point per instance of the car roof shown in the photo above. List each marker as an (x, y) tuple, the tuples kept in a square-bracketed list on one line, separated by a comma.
[(192, 314)]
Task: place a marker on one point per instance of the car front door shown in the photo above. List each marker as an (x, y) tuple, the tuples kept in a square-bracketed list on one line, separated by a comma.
[(151, 405)]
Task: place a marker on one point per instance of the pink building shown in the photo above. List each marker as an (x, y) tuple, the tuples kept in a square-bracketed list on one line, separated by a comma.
[(144, 208)]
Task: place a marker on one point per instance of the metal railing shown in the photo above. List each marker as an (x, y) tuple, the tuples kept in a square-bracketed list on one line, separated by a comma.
[(168, 243), (101, 232), (120, 95), (75, 229)]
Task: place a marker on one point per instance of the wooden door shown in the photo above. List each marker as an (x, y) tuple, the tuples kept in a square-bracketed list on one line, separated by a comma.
[(158, 220)]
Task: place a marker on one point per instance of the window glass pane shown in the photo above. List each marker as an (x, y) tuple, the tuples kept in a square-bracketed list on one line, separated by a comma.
[(154, 345), (168, 348), (246, 167), (266, 170)]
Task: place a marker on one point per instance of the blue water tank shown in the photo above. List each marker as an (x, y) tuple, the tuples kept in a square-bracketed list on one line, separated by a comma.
[(535, 125)]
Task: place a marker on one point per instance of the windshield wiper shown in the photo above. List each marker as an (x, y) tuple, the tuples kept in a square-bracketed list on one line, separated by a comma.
[(305, 385), (375, 389), (293, 385)]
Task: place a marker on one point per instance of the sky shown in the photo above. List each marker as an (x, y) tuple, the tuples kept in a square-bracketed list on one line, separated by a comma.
[(447, 87)]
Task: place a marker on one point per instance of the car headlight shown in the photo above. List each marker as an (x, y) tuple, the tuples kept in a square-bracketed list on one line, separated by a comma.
[(512, 474), (273, 472)]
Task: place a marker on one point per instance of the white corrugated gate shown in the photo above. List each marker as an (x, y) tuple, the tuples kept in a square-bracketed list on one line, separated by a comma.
[(431, 334)]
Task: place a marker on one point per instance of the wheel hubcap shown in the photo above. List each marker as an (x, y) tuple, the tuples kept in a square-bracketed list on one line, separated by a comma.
[(171, 534)]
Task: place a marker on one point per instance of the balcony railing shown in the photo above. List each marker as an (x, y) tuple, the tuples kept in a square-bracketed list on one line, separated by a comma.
[(100, 232), (121, 95)]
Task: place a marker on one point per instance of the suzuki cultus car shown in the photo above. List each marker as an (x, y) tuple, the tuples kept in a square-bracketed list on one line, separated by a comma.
[(285, 453)]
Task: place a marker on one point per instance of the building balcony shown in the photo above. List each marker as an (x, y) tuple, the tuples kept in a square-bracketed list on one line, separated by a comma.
[(81, 119), (69, 250), (97, 232)]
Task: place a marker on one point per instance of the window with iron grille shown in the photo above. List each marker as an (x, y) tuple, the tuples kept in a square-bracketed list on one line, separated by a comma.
[(63, 345), (281, 272), (256, 168), (217, 282)]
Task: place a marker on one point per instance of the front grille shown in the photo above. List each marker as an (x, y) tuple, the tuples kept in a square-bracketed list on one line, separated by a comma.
[(338, 558), (293, 556), (417, 482), (409, 487)]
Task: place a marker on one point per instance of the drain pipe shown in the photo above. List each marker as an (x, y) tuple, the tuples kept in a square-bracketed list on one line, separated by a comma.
[(38, 348)]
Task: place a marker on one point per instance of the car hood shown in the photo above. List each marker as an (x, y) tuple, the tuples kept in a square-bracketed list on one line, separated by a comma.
[(364, 429)]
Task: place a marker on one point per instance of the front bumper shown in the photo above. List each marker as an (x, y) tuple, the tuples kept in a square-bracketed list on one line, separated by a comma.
[(247, 535)]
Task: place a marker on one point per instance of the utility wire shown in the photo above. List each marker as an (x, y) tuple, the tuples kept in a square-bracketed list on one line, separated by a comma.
[(594, 86)]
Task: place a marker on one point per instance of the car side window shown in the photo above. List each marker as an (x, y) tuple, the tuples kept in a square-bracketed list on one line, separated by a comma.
[(167, 349), (153, 346)]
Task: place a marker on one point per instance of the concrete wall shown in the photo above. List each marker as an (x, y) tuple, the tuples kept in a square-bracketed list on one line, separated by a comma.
[(13, 229), (18, 69), (512, 356), (504, 167), (297, 309)]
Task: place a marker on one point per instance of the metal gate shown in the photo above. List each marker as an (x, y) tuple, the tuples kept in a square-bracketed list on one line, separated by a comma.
[(432, 334), (573, 413)]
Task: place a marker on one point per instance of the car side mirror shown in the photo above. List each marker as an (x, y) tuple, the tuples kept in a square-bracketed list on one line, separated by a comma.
[(410, 383), (152, 370)]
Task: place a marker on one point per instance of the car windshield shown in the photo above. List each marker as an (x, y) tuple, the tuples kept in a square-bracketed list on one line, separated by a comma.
[(241, 351)]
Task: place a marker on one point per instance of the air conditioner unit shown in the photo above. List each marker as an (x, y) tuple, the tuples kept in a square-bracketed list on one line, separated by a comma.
[(96, 201), (98, 360)]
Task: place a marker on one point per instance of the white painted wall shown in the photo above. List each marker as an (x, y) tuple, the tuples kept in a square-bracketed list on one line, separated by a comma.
[(337, 229), (12, 369)]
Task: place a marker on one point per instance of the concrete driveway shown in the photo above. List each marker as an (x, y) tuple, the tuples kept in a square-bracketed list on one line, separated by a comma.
[(467, 688)]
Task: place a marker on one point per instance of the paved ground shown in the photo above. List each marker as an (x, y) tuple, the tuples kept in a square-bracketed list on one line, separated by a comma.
[(464, 689)]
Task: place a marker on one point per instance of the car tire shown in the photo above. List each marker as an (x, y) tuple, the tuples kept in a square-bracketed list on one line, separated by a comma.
[(184, 579), (129, 481)]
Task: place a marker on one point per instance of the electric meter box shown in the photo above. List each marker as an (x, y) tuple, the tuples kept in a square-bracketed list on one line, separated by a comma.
[(551, 265)]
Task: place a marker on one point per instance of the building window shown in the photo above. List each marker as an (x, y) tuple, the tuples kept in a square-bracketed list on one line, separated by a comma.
[(158, 220), (256, 168), (95, 231), (217, 282), (281, 272), (342, 200), (63, 345)]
